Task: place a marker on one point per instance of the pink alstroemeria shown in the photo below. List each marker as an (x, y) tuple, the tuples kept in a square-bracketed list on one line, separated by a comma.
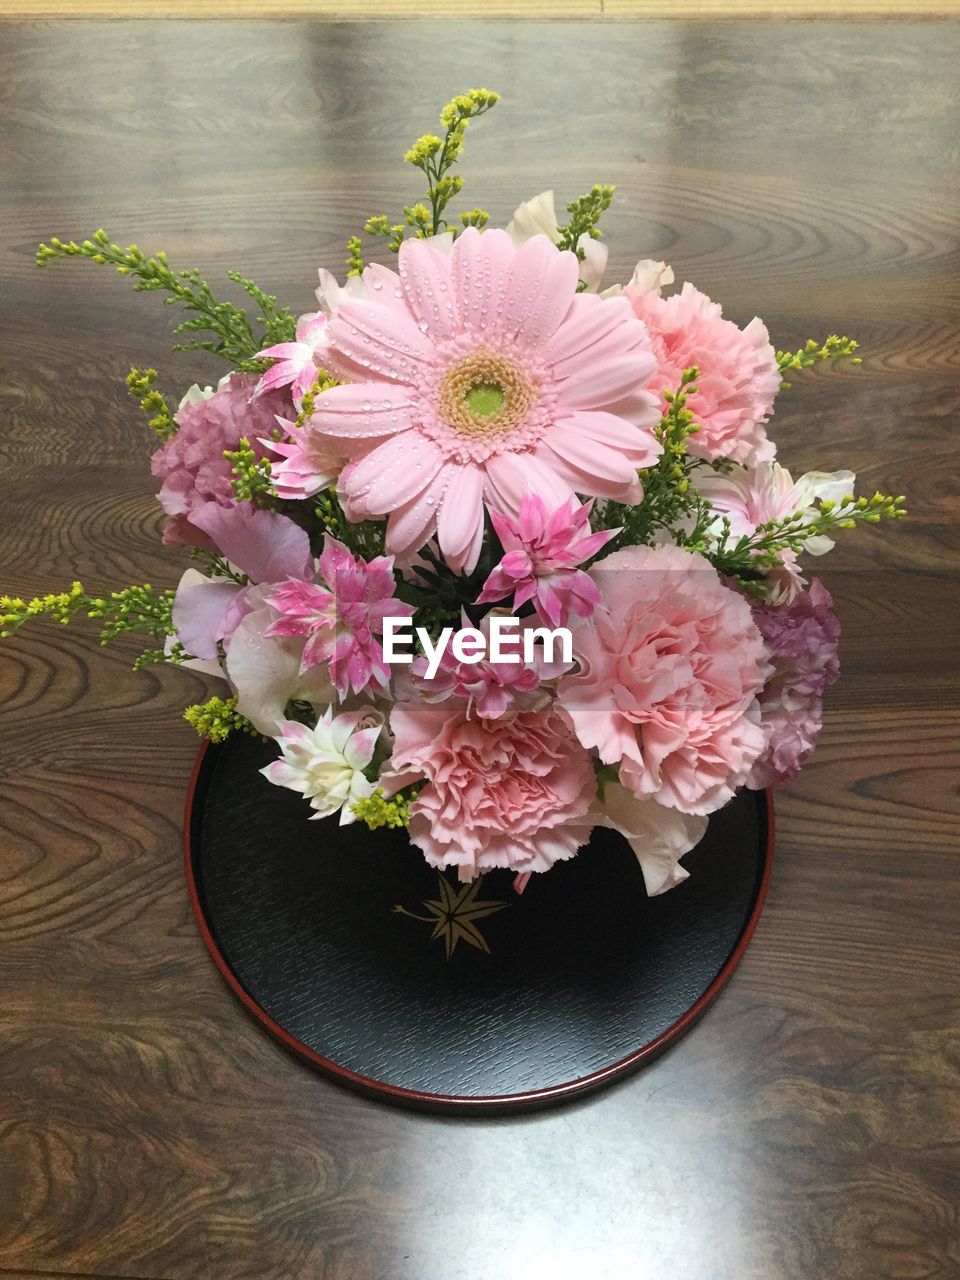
[(542, 555), (296, 364), (491, 688), (343, 618), (306, 468)]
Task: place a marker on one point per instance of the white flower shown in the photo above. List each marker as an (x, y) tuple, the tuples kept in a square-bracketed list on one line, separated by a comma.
[(659, 836), (326, 764), (538, 217), (196, 393), (265, 672), (649, 276)]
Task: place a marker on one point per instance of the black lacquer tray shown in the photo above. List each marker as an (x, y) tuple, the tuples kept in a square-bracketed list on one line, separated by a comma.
[(347, 947)]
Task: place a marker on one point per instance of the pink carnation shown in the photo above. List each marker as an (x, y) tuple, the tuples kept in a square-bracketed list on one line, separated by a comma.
[(500, 793), (739, 377), (343, 619), (192, 466), (491, 688), (476, 376), (541, 556), (801, 640), (669, 678)]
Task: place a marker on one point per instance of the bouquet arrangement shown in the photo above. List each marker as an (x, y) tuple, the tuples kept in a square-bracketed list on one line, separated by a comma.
[(492, 553)]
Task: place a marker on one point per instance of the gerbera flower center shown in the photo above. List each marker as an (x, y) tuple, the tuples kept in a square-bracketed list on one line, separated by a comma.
[(486, 394)]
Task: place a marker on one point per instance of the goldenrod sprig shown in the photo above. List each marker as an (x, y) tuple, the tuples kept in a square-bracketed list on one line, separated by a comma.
[(668, 499), (250, 476), (234, 338), (585, 213), (138, 608), (755, 553), (434, 157), (140, 385), (217, 718), (833, 348), (377, 811)]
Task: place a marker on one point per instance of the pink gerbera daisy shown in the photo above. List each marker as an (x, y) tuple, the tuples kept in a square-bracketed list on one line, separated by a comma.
[(477, 376)]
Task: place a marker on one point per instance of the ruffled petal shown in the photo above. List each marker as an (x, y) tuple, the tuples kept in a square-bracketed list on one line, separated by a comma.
[(265, 546), (198, 613)]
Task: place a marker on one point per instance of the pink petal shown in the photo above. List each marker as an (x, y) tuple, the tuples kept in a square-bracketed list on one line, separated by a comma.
[(461, 511), (606, 429), (371, 338), (589, 320), (601, 382), (425, 277), (264, 546), (395, 472), (412, 525), (541, 286), (480, 262), (511, 475), (198, 612), (590, 456), (340, 412), (284, 351)]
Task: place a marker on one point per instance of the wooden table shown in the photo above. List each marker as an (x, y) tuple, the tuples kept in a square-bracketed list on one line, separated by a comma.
[(809, 1126)]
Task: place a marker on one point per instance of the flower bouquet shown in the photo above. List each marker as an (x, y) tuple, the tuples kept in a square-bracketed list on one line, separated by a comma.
[(491, 553)]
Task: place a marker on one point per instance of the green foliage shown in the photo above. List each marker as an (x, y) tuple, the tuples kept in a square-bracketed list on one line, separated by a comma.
[(250, 476), (322, 382), (585, 213), (377, 811), (140, 385), (834, 348), (434, 157), (138, 608), (217, 718), (279, 323), (751, 555), (365, 538), (668, 497), (439, 593), (233, 336)]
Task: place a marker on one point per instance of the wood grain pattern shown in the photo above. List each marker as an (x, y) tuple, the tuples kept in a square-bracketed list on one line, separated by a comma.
[(522, 10), (809, 1127)]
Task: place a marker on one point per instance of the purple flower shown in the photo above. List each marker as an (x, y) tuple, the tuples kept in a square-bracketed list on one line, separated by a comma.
[(192, 466), (542, 555), (343, 618), (801, 640)]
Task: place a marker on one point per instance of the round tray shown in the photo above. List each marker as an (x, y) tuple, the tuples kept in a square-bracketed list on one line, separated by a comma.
[(400, 982)]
